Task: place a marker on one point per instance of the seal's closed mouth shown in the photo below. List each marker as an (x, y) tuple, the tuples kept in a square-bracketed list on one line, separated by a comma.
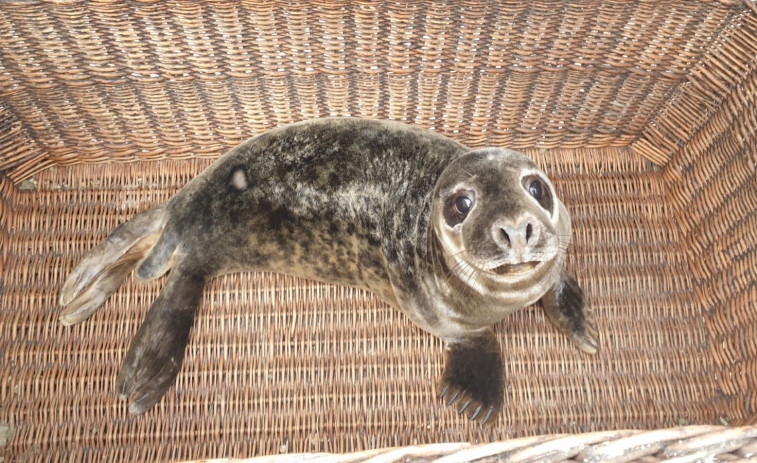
[(514, 269)]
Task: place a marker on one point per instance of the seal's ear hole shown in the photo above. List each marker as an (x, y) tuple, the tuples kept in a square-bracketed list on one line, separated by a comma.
[(457, 207), (539, 190)]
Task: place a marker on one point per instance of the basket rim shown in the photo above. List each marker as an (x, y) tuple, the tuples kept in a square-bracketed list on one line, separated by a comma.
[(693, 441)]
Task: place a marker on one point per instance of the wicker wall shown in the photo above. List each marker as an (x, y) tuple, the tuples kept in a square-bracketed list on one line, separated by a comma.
[(642, 112), (91, 82), (714, 181)]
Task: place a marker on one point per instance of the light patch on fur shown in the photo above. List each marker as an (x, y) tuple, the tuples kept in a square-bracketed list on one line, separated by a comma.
[(239, 179)]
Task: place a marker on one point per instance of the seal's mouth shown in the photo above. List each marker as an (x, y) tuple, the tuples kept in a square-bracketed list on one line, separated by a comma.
[(514, 269)]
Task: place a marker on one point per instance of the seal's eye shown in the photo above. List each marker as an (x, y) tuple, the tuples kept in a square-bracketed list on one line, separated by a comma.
[(539, 191), (457, 207), (536, 188), (463, 205)]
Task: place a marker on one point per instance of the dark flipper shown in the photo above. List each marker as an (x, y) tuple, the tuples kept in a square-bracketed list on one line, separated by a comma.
[(160, 258), (157, 350), (567, 309), (473, 377)]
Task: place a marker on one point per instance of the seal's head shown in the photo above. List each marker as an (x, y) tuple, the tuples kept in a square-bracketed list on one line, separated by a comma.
[(496, 215)]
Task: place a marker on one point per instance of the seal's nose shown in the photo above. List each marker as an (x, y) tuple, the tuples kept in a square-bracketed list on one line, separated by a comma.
[(516, 237)]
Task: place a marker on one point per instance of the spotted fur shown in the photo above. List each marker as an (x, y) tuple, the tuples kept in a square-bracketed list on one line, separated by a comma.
[(357, 203)]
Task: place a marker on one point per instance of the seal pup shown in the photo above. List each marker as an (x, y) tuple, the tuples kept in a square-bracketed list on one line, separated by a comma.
[(454, 238)]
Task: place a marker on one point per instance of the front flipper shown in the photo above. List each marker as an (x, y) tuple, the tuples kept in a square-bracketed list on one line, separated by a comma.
[(567, 309), (157, 350), (473, 377)]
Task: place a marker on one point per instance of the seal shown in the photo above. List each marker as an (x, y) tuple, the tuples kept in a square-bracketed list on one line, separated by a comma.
[(456, 239)]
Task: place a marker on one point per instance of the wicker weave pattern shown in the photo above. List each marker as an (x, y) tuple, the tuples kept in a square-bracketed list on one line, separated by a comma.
[(715, 181), (595, 90), (282, 364), (90, 82), (696, 443), (731, 58)]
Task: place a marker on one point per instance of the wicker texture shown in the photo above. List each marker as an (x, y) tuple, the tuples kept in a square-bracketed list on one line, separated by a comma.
[(714, 176), (283, 364), (666, 250), (693, 443), (136, 81)]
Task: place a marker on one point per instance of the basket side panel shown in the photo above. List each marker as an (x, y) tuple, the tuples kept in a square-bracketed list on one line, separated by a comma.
[(713, 180), (727, 62), (128, 81), (19, 150)]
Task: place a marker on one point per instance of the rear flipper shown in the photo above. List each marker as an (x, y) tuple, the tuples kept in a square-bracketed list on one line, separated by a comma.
[(567, 309), (103, 269), (157, 350)]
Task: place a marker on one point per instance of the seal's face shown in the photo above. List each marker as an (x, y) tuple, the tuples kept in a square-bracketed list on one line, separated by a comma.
[(496, 215)]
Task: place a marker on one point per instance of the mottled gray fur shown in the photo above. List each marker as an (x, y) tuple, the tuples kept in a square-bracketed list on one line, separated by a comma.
[(357, 203)]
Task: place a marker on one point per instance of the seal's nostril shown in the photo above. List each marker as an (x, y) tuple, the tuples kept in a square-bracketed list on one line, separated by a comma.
[(516, 237)]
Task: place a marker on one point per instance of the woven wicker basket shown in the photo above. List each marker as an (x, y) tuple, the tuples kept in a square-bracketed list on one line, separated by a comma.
[(643, 113)]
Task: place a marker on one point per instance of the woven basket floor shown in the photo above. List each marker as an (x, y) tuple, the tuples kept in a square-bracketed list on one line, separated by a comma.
[(277, 364), (643, 113)]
